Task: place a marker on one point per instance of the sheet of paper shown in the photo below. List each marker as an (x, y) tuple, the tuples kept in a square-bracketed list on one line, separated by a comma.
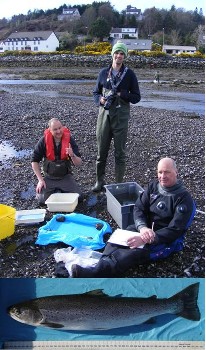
[(120, 237)]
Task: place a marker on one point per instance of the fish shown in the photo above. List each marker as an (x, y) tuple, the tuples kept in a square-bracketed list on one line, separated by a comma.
[(95, 310)]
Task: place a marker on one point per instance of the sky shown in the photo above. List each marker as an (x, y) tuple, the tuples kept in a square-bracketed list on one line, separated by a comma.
[(9, 8)]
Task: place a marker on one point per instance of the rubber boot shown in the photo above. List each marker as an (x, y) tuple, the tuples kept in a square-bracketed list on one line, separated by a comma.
[(119, 172), (104, 268), (100, 172)]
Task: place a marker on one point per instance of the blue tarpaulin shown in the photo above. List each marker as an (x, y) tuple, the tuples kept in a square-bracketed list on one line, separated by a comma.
[(77, 230)]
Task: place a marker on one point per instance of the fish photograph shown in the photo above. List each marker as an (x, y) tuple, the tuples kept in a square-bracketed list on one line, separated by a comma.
[(147, 309), (95, 310)]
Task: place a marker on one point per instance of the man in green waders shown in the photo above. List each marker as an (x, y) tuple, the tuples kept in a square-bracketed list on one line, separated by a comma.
[(116, 87)]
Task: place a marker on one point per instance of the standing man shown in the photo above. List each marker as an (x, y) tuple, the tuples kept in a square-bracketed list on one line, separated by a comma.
[(58, 150), (116, 88), (162, 215)]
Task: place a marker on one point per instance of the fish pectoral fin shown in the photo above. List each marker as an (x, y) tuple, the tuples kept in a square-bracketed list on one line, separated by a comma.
[(52, 325), (150, 321)]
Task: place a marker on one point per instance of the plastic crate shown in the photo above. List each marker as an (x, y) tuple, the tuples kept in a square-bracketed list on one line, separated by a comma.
[(62, 202), (120, 202), (7, 221)]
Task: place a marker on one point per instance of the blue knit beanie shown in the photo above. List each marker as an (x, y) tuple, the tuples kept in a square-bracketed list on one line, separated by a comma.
[(119, 46)]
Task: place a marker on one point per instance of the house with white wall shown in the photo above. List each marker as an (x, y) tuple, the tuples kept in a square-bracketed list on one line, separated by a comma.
[(69, 14), (133, 11), (44, 41), (176, 50), (121, 33), (136, 44), (1, 47)]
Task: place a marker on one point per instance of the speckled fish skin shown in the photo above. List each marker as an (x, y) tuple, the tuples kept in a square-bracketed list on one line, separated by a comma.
[(97, 311)]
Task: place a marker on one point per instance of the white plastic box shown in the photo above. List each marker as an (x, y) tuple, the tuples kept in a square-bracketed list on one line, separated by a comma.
[(32, 216), (62, 202), (120, 202)]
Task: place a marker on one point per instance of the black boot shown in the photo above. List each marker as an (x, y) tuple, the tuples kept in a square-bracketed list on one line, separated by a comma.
[(99, 185), (100, 172), (79, 271), (104, 268), (119, 172)]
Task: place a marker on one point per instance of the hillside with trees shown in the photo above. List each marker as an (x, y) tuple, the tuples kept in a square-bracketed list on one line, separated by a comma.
[(180, 27)]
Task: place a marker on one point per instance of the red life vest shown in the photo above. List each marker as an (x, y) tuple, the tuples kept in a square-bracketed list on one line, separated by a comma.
[(49, 142)]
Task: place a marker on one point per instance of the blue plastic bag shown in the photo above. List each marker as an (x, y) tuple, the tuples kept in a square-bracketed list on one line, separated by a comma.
[(77, 230)]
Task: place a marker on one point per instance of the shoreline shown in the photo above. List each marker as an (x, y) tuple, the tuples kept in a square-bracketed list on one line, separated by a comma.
[(152, 134)]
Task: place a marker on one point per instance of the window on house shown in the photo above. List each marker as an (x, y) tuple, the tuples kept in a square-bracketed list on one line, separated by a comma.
[(39, 42), (34, 42), (35, 48)]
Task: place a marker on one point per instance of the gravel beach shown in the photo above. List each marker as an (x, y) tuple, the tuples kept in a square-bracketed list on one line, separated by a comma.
[(153, 133)]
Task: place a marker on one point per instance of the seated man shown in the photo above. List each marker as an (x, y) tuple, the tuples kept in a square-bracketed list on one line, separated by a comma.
[(58, 150), (162, 214)]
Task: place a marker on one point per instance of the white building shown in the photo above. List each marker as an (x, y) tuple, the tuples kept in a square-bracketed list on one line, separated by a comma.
[(121, 33), (44, 41), (1, 47), (69, 14), (176, 50), (136, 44), (133, 11)]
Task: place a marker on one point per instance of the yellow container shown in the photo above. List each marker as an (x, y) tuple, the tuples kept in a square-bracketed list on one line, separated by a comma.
[(7, 221)]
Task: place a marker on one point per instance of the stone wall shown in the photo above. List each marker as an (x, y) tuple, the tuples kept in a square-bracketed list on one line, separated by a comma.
[(67, 60)]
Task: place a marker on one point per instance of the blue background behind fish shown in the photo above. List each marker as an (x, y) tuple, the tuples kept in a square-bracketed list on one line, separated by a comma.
[(166, 327)]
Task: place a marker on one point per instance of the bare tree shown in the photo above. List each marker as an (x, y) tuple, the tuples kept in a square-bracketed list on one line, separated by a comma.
[(174, 38), (89, 16)]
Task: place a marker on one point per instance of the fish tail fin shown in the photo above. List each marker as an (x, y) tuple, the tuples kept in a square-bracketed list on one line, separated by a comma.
[(189, 296)]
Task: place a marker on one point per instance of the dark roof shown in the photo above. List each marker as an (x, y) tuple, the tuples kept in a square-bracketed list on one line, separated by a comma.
[(132, 9), (38, 35), (136, 44)]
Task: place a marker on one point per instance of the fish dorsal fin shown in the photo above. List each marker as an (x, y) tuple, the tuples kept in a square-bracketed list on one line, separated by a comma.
[(96, 292), (153, 297)]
